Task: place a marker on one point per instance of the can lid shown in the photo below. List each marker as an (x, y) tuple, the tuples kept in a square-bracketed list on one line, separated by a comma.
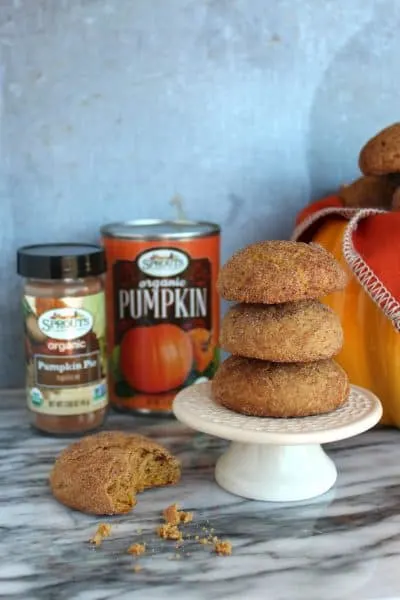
[(157, 229), (61, 261)]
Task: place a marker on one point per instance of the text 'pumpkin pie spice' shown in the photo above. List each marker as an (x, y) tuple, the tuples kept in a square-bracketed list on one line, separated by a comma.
[(274, 272), (293, 332), (101, 474), (64, 318), (162, 310)]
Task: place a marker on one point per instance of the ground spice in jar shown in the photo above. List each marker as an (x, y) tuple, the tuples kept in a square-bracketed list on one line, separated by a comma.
[(64, 321)]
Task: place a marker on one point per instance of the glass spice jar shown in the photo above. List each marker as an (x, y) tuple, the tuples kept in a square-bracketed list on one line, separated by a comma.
[(63, 307)]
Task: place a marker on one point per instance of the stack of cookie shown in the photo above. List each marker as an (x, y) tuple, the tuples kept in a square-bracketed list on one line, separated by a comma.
[(281, 338)]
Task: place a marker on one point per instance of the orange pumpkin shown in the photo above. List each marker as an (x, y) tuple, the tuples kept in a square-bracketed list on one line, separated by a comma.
[(203, 347), (371, 351), (156, 359)]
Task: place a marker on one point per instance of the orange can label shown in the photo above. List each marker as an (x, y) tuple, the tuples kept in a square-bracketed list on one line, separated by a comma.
[(162, 318)]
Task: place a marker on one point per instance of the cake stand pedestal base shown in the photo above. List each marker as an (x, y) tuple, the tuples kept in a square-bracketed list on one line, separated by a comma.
[(275, 472), (279, 460)]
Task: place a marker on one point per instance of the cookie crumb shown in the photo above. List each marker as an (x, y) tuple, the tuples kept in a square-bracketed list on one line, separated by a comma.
[(103, 531), (137, 549), (185, 517), (169, 532), (137, 568), (222, 548), (173, 516)]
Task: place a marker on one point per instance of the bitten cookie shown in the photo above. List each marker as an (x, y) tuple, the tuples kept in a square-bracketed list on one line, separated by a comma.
[(258, 388), (381, 154), (101, 474), (272, 272), (293, 332)]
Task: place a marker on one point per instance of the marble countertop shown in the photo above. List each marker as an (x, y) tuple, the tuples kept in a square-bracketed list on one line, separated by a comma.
[(344, 545)]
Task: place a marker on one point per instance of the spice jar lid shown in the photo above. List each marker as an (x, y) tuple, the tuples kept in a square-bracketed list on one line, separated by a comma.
[(61, 261)]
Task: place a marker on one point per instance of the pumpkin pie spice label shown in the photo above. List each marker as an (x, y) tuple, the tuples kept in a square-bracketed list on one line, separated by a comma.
[(165, 322), (65, 354)]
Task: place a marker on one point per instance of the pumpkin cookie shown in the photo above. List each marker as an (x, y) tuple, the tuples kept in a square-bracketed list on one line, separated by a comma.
[(273, 272), (259, 388), (293, 332), (370, 192), (381, 154), (101, 474)]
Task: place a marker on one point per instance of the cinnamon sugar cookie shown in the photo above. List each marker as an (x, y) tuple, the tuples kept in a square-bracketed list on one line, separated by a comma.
[(370, 192), (101, 474), (273, 272), (292, 332), (381, 154), (264, 389)]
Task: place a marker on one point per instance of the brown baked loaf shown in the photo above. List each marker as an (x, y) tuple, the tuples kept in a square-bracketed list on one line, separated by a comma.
[(292, 332), (381, 154), (259, 388), (370, 192), (102, 473), (273, 272)]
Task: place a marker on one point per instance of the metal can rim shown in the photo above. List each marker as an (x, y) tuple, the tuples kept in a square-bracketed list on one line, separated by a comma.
[(107, 230)]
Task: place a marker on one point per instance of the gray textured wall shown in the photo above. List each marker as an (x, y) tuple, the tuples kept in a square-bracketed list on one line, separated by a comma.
[(246, 108)]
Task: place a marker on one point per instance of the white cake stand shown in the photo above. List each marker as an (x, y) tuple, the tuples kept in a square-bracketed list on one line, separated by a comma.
[(278, 460)]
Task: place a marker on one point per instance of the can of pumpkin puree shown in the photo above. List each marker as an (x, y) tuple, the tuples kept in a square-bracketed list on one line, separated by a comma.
[(162, 310)]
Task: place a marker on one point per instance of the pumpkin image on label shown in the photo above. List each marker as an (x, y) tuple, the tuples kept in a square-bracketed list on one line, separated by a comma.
[(164, 361), (203, 347), (162, 310)]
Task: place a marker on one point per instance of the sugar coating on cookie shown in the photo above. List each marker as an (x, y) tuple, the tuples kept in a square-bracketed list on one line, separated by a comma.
[(275, 271), (260, 388), (381, 154), (101, 474), (293, 332)]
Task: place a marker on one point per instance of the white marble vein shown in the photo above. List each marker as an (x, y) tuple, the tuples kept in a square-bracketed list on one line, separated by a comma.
[(345, 545)]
